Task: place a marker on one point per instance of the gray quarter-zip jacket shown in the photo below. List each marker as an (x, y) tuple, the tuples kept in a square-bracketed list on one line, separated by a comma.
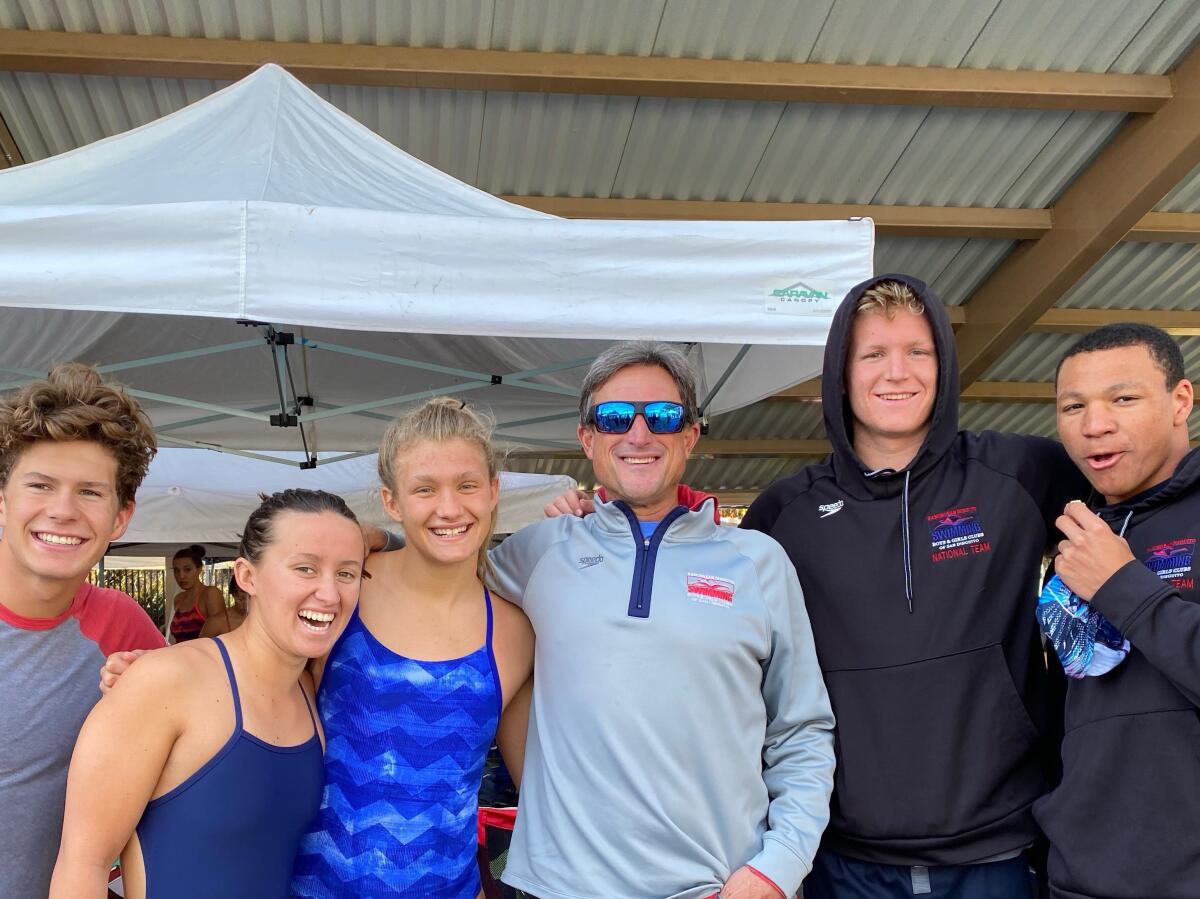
[(680, 728)]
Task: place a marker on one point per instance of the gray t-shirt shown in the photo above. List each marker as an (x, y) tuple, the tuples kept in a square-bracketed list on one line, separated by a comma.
[(49, 681)]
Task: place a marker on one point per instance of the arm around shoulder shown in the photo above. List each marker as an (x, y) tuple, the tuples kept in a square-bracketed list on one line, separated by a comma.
[(118, 760), (513, 562)]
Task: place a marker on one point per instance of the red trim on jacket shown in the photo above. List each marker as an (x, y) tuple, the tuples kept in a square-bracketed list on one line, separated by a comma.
[(684, 496)]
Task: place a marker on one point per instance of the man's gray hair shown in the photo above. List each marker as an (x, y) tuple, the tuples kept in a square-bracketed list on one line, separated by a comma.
[(620, 356)]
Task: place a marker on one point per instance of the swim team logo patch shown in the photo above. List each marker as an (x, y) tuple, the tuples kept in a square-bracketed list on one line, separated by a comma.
[(713, 591), (1173, 562), (957, 533)]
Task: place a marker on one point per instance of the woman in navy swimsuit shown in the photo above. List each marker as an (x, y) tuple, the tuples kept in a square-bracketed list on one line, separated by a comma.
[(203, 766)]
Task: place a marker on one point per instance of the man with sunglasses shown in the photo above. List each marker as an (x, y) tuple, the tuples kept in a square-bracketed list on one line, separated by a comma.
[(680, 739)]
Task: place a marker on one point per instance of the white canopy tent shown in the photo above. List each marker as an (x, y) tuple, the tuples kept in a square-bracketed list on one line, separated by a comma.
[(369, 279)]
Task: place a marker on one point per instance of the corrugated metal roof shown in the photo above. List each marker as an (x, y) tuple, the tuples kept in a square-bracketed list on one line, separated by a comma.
[(1032, 358), (1141, 276), (952, 267), (1103, 35), (1035, 357), (694, 149), (1017, 418), (771, 420)]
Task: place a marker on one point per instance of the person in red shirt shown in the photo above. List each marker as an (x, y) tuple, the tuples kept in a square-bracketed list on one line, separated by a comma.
[(73, 452)]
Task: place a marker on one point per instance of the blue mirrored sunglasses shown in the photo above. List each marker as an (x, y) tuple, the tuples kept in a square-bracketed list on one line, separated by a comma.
[(616, 416)]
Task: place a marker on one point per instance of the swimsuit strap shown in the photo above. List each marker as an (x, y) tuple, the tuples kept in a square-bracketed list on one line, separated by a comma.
[(237, 699)]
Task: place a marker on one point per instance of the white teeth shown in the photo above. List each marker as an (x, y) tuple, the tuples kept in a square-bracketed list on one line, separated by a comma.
[(59, 539), (323, 617), (450, 532), (638, 460), (897, 396)]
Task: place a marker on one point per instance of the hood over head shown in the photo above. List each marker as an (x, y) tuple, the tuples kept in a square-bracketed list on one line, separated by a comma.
[(839, 422)]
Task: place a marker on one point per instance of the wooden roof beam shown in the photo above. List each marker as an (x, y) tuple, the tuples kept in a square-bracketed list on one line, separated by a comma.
[(896, 221), (1146, 159), (653, 76), (890, 221), (1080, 321)]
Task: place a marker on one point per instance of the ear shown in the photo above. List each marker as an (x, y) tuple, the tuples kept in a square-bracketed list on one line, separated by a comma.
[(1182, 397), (495, 492), (586, 435), (389, 504), (244, 572), (691, 436), (121, 523)]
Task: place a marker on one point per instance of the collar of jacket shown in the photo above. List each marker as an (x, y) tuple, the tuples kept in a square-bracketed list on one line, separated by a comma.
[(692, 525), (684, 496), (1185, 479)]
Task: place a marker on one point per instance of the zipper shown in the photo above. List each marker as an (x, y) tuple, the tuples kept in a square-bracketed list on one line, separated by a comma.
[(643, 569)]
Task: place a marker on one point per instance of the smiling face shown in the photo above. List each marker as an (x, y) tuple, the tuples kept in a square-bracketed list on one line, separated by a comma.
[(60, 511), (306, 581), (891, 377), (639, 467), (1120, 423), (445, 498)]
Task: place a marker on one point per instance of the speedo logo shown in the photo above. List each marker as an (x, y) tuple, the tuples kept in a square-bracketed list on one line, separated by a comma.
[(831, 508), (589, 561)]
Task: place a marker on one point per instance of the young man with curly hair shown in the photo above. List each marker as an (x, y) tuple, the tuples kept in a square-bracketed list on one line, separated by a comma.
[(73, 452)]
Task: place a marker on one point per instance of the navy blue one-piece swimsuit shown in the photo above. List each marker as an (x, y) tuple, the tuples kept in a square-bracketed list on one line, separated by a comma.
[(247, 808)]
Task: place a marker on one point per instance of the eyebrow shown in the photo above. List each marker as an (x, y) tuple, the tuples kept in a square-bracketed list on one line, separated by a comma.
[(1111, 388), (46, 477), (313, 557)]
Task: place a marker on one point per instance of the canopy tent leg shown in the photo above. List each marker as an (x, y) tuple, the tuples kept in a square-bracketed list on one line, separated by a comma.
[(729, 369)]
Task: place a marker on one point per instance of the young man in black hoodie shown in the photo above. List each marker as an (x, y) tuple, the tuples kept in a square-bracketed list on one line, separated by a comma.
[(1123, 823), (919, 549)]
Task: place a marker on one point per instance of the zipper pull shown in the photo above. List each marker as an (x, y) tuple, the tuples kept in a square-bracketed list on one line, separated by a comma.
[(645, 543)]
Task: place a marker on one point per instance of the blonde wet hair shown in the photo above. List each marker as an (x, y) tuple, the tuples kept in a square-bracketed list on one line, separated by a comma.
[(889, 297), (438, 420)]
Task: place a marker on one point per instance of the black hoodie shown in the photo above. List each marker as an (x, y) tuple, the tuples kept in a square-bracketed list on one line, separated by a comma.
[(921, 586), (1125, 822)]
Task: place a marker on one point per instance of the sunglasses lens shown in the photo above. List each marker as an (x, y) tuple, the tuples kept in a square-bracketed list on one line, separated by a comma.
[(614, 417), (664, 418)]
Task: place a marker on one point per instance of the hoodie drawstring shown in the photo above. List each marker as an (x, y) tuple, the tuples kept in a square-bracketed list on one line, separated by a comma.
[(1121, 533), (908, 585)]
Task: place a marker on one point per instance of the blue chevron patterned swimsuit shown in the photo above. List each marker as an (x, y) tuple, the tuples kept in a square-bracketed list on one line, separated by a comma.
[(405, 747)]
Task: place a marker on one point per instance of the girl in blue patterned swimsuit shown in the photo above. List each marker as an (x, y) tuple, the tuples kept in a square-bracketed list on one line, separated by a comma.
[(411, 694)]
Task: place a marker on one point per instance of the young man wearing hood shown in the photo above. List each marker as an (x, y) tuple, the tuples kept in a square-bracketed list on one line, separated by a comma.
[(1123, 822), (918, 548)]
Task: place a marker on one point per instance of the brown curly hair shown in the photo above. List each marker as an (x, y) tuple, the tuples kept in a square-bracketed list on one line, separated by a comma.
[(74, 403)]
